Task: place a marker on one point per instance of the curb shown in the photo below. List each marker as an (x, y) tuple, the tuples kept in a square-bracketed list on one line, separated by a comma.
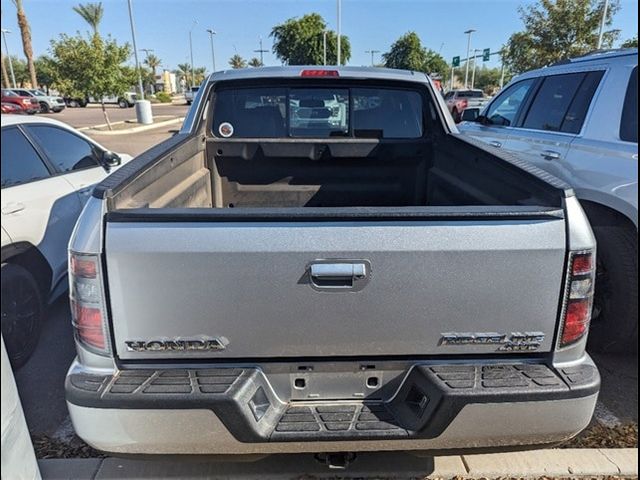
[(126, 131), (534, 464)]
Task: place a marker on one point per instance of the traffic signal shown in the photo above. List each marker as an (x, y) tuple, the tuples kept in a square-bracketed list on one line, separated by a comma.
[(455, 62), (486, 53)]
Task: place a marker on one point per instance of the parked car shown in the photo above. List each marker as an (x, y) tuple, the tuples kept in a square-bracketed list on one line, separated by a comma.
[(48, 103), (127, 100), (190, 94), (12, 108), (459, 100), (28, 104), (48, 172), (252, 285), (578, 120)]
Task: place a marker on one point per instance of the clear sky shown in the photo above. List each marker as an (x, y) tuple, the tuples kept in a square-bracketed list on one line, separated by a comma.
[(163, 25)]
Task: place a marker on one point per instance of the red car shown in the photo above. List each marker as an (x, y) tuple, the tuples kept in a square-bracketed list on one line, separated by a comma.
[(29, 104), (11, 108)]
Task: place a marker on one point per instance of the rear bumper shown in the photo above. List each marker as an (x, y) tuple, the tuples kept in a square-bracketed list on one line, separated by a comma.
[(235, 410)]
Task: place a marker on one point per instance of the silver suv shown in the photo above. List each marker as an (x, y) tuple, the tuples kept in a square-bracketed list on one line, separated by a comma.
[(578, 120)]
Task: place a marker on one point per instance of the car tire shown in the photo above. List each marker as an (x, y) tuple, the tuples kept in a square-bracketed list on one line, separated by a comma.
[(22, 313), (122, 103), (614, 324), (44, 107)]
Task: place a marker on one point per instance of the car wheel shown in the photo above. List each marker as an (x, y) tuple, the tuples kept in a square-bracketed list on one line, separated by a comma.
[(73, 103), (122, 103), (44, 107), (614, 321), (22, 313)]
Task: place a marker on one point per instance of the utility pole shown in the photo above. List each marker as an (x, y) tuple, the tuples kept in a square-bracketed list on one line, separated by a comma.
[(211, 33), (195, 22), (261, 51), (339, 31), (502, 73), (602, 23), (135, 51), (466, 72), (372, 52), (324, 47), (452, 75), (6, 47), (475, 63)]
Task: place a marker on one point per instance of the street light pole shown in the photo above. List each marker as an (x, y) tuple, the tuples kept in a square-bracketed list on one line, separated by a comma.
[(339, 32), (211, 33), (261, 51), (602, 23), (466, 72), (6, 47), (475, 63), (135, 50), (195, 22), (372, 52)]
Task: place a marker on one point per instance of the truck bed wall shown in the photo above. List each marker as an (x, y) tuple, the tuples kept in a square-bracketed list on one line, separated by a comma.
[(305, 173)]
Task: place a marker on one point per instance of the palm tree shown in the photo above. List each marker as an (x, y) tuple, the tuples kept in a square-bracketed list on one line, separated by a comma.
[(91, 13), (198, 75), (255, 62), (25, 31), (237, 62), (184, 71), (153, 62), (5, 74)]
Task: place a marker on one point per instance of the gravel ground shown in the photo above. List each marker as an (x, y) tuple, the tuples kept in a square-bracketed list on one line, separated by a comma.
[(48, 447), (597, 435)]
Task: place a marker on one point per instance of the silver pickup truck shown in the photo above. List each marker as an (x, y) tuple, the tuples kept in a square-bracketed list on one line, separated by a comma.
[(319, 262)]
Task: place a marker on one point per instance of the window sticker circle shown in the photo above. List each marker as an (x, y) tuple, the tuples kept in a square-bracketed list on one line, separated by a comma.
[(225, 129)]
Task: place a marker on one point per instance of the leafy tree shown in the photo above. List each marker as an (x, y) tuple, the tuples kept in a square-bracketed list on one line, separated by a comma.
[(91, 67), (488, 79), (630, 43), (558, 29), (20, 71), (237, 62), (25, 32), (45, 69), (255, 62), (407, 53), (299, 41), (92, 13)]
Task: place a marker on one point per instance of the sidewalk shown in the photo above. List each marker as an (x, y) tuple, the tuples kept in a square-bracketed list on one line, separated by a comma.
[(567, 463)]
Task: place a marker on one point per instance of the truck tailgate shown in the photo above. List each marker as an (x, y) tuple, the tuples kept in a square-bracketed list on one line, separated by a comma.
[(333, 288)]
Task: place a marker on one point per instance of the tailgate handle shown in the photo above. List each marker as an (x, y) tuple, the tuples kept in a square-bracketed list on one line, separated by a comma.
[(340, 275)]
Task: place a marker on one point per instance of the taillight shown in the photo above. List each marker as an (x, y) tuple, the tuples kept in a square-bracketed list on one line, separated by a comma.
[(319, 73), (576, 314), (87, 302)]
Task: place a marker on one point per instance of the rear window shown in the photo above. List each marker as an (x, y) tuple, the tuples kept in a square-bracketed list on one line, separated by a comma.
[(470, 94), (273, 112), (629, 121)]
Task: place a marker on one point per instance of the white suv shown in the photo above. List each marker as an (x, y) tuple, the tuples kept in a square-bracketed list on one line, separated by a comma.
[(48, 173), (579, 121)]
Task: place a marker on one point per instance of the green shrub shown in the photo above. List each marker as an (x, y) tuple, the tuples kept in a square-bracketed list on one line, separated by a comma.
[(163, 97)]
